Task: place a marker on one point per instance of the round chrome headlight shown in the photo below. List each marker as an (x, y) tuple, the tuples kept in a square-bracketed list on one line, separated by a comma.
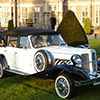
[(76, 59)]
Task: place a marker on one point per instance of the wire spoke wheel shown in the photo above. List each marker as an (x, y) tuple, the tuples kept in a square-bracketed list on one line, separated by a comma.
[(1, 70), (40, 62), (64, 86)]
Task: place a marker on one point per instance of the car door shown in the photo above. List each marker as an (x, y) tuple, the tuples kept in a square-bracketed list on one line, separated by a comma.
[(10, 49), (24, 55)]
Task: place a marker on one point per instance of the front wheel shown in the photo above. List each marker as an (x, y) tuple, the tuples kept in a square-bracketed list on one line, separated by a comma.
[(64, 86)]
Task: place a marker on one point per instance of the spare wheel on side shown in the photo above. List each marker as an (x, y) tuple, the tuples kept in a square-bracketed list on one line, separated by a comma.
[(43, 60)]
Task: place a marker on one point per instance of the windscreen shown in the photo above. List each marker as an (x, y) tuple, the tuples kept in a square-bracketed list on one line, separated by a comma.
[(47, 40)]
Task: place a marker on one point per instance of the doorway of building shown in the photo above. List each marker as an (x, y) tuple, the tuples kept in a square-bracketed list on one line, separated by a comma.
[(53, 22)]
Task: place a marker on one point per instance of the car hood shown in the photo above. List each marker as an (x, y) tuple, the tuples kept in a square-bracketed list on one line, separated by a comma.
[(66, 50), (62, 53)]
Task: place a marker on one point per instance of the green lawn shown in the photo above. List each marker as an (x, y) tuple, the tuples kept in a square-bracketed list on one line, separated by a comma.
[(95, 44), (15, 87)]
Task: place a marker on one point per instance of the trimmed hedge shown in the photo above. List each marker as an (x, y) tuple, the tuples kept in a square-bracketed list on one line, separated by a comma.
[(10, 25), (71, 30), (87, 26)]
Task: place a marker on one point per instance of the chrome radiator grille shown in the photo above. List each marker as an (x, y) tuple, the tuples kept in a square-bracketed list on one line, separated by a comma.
[(94, 61), (86, 62)]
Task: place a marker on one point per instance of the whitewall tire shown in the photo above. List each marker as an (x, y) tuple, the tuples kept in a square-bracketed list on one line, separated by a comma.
[(1, 70), (42, 60), (64, 86)]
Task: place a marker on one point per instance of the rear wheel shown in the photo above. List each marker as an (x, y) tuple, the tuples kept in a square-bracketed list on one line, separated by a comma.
[(64, 86), (1, 70)]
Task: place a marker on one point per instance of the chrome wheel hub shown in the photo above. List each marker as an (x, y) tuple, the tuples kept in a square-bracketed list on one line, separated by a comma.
[(62, 87), (0, 69), (39, 62)]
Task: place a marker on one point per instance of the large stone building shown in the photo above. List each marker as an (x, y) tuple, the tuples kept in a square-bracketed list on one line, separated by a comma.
[(41, 11)]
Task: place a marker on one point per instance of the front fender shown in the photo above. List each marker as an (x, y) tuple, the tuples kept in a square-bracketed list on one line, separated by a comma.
[(77, 73), (52, 72)]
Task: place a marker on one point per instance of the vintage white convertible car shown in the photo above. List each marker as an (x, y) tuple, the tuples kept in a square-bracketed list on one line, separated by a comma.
[(44, 54)]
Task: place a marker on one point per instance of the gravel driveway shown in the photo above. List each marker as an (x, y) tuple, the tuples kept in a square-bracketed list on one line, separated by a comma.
[(93, 36)]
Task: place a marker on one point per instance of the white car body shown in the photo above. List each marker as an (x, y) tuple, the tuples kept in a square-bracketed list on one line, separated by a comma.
[(22, 59)]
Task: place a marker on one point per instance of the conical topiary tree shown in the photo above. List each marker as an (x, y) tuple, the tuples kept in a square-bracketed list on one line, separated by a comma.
[(71, 30), (87, 26), (10, 25)]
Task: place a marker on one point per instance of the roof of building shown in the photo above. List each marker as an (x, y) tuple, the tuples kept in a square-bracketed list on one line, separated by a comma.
[(24, 32)]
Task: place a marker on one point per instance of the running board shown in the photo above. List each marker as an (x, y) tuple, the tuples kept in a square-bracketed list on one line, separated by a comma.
[(96, 83), (17, 72)]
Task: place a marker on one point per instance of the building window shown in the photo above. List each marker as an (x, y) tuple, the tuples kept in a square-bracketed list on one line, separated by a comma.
[(49, 7), (24, 15), (0, 16), (97, 14), (4, 15), (12, 12), (85, 13), (36, 15), (52, 8)]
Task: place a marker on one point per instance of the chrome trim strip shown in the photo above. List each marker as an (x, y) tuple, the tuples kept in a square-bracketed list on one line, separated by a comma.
[(17, 72), (95, 81), (88, 62), (84, 82)]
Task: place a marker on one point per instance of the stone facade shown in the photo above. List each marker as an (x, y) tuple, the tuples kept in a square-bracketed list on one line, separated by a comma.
[(40, 11), (86, 8)]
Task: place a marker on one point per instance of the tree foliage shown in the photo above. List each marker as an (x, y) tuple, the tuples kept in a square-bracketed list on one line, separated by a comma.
[(10, 25), (71, 30), (87, 26)]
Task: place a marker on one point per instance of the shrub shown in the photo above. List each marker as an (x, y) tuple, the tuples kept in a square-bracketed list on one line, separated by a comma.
[(29, 22), (71, 30), (87, 26), (10, 25)]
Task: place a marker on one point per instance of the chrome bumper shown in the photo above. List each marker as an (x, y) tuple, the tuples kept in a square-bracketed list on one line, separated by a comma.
[(87, 82)]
